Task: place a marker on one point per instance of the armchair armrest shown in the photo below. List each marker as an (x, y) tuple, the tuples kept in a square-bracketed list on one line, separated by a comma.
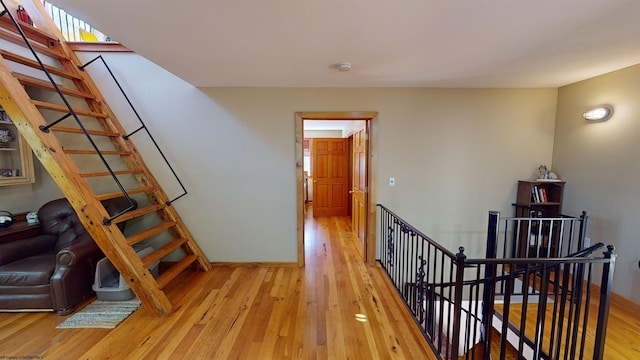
[(72, 278), (77, 252)]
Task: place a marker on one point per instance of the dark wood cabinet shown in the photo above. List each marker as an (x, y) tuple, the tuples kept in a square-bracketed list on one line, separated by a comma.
[(20, 229)]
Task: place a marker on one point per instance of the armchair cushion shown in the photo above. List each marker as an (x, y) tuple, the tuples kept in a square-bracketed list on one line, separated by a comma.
[(31, 271)]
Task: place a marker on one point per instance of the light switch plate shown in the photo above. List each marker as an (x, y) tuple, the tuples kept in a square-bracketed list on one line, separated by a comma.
[(392, 181)]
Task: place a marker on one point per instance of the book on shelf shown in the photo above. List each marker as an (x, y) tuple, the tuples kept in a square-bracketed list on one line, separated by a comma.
[(535, 196), (538, 194)]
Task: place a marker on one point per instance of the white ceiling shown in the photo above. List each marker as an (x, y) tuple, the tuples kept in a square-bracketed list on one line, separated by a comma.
[(404, 43)]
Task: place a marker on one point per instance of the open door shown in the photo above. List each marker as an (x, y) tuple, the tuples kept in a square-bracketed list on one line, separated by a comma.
[(330, 169), (359, 189), (367, 224)]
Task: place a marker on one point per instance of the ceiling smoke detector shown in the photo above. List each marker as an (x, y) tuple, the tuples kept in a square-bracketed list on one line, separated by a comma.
[(344, 66)]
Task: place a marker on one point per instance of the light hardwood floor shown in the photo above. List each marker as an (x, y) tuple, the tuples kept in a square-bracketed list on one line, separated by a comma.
[(335, 308), (622, 331), (316, 312)]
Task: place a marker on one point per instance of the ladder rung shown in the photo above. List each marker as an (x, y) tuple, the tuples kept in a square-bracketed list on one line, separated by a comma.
[(162, 252), (106, 173), (29, 81), (62, 108), (30, 31), (114, 195), (173, 272), (18, 40), (93, 152), (136, 238), (138, 213), (34, 64), (79, 131)]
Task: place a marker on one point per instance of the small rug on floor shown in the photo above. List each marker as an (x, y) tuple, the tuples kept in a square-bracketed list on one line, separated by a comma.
[(101, 314)]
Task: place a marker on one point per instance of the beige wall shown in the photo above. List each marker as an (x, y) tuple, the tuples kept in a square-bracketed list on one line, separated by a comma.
[(455, 154), (601, 165), (451, 151), (29, 197)]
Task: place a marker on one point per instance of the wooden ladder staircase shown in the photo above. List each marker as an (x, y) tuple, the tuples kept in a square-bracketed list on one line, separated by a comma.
[(70, 150)]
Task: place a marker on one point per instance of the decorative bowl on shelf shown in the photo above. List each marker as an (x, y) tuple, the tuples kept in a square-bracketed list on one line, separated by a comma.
[(6, 136), (6, 173)]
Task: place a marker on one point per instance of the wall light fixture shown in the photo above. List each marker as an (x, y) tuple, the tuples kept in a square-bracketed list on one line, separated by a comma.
[(598, 113)]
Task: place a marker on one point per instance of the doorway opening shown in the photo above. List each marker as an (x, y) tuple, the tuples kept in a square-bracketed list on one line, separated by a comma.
[(362, 199)]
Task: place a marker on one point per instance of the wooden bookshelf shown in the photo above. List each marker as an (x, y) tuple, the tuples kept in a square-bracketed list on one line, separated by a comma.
[(538, 199), (541, 195)]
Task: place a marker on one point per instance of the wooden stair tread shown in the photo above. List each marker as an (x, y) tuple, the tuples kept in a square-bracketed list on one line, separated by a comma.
[(163, 251), (114, 195), (62, 108), (79, 131), (138, 213), (34, 64), (171, 273), (31, 32), (106, 173), (143, 235), (93, 152), (29, 81)]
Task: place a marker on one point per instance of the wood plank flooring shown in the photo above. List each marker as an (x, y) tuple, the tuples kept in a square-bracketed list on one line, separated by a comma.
[(335, 308)]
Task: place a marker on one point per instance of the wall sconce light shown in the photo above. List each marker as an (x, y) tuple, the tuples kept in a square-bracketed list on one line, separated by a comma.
[(598, 113)]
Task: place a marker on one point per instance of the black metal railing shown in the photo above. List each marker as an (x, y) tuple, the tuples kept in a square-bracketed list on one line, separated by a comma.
[(549, 234), (538, 235), (530, 308), (72, 114), (143, 126), (421, 270)]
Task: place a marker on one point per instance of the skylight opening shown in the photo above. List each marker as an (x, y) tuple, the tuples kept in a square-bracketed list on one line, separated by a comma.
[(74, 29)]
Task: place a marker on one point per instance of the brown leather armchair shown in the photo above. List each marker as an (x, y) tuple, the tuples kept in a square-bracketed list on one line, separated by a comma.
[(53, 270)]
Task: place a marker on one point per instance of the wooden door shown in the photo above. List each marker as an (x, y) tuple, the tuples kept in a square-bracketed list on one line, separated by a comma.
[(330, 171), (359, 189)]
